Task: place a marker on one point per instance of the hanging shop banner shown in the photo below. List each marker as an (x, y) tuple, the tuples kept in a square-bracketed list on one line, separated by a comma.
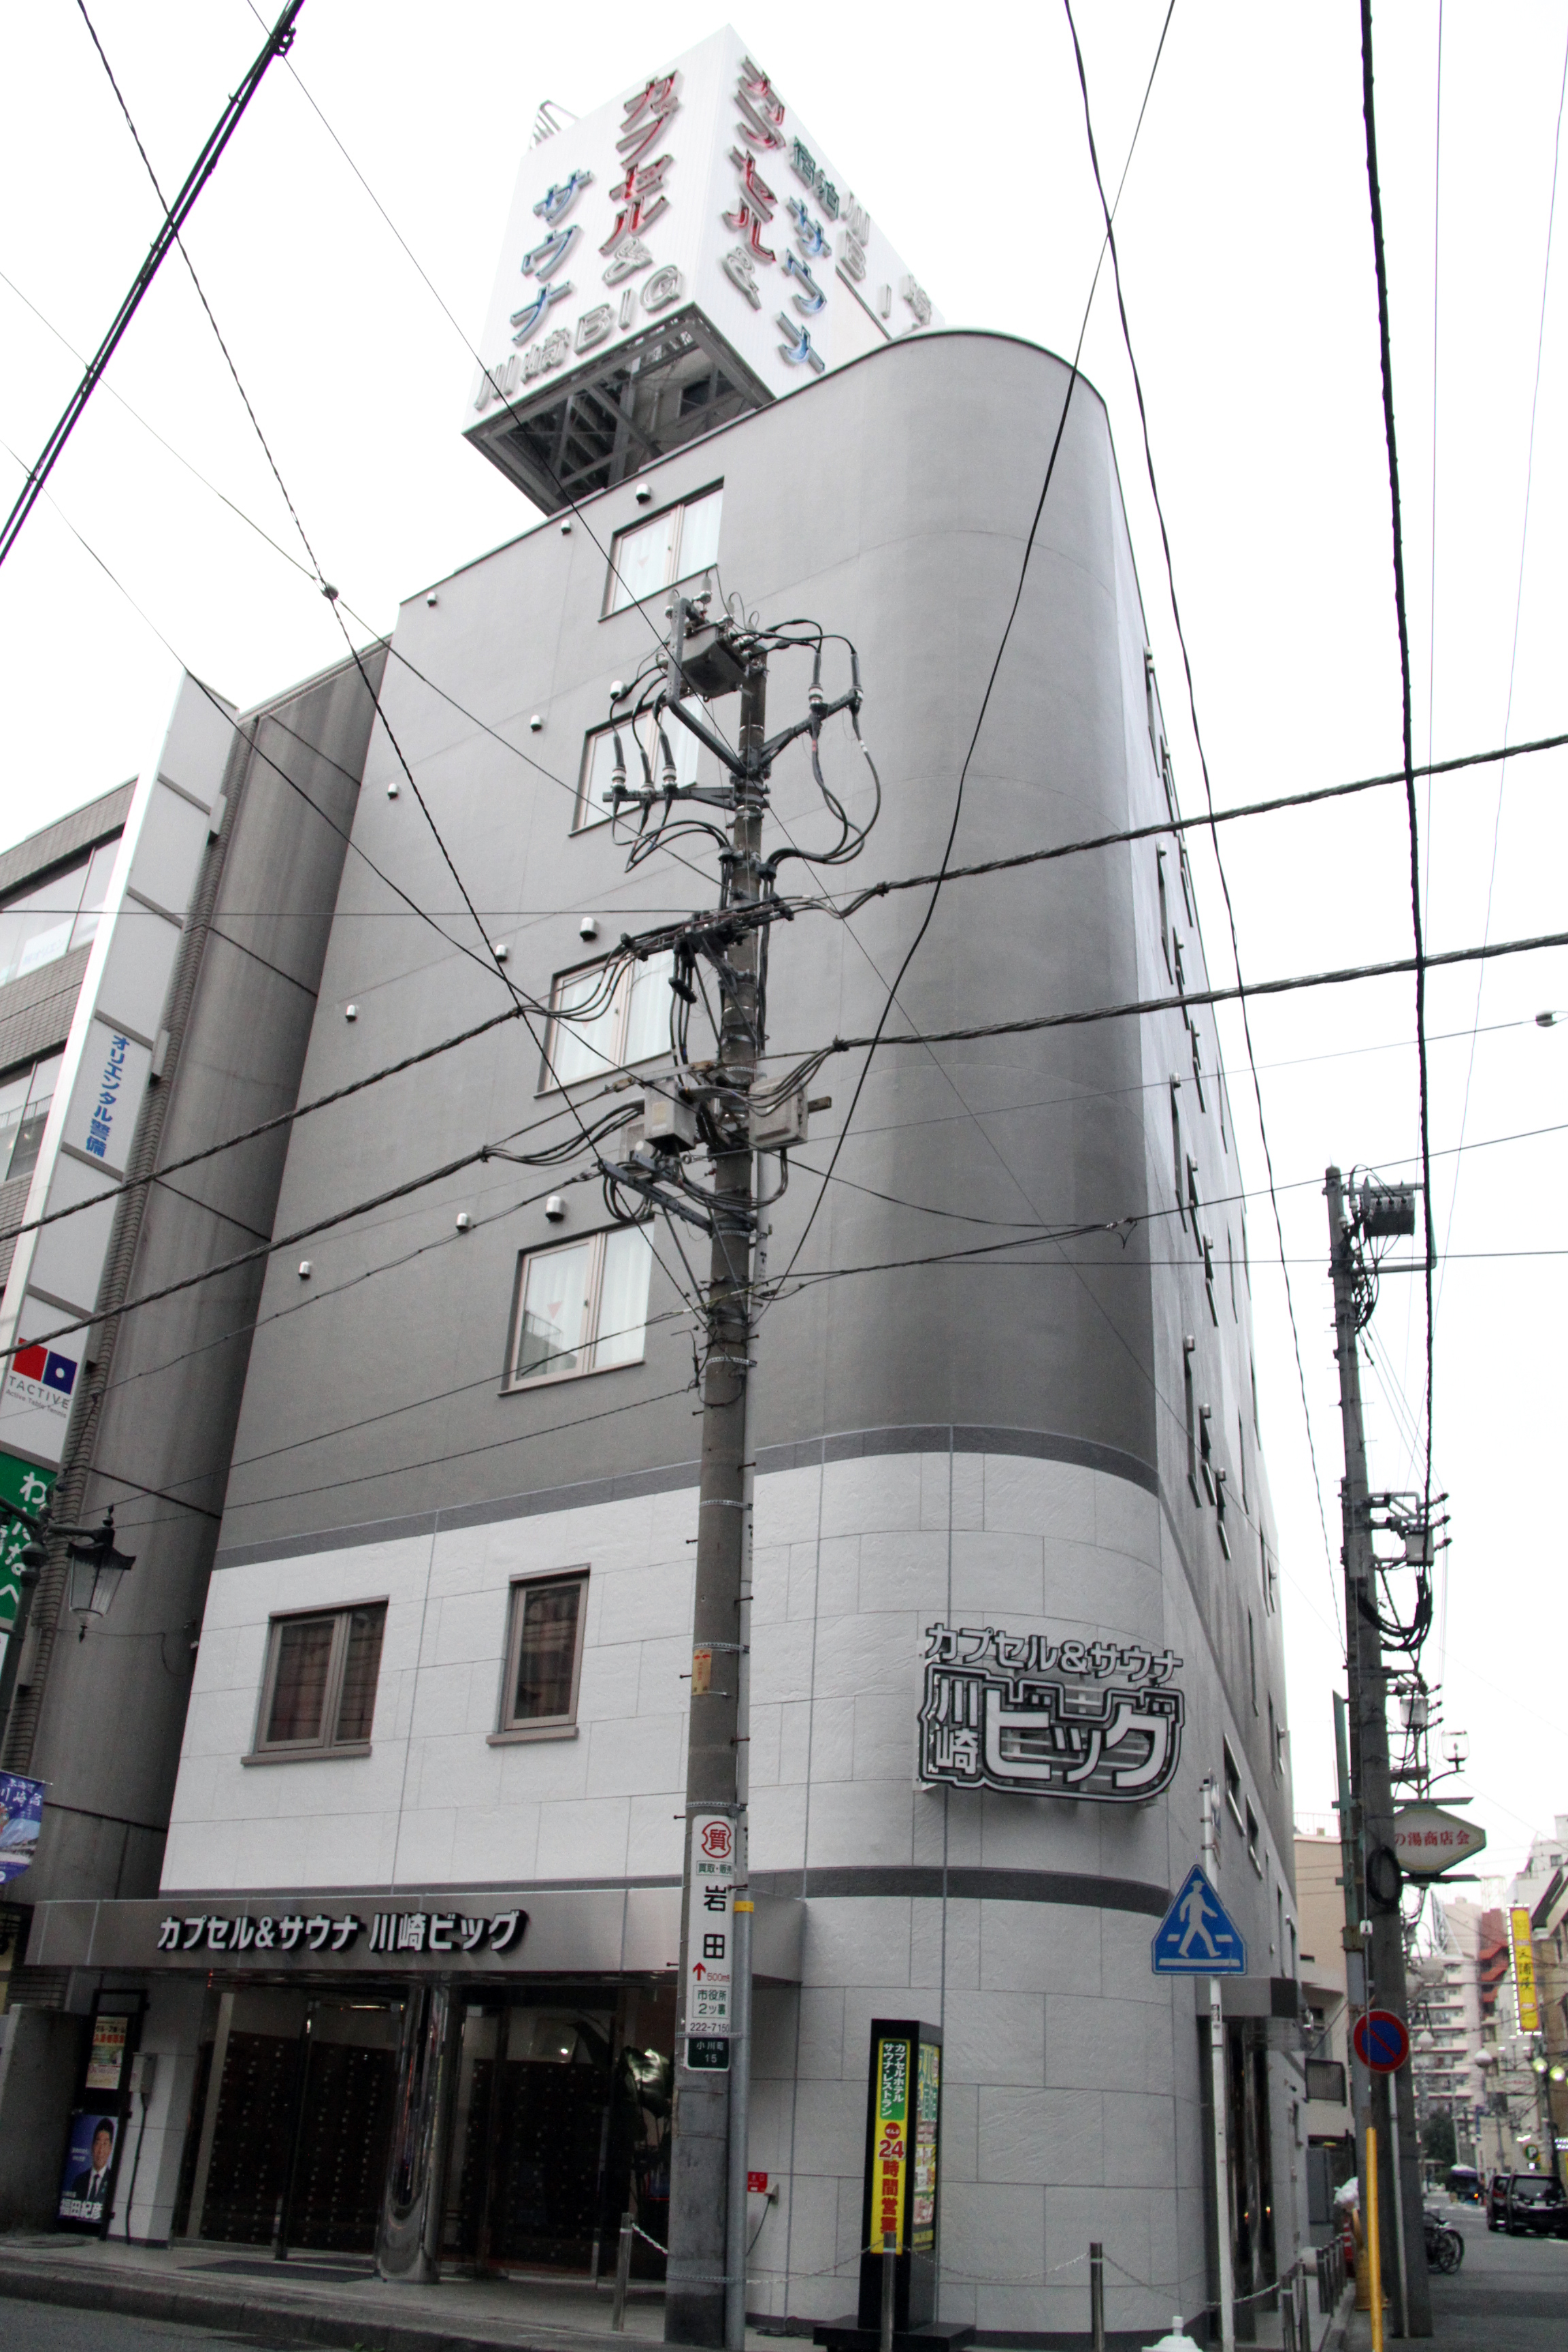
[(1070, 1718), (1524, 1969), (89, 2173), (21, 1818), (24, 1484), (710, 1927)]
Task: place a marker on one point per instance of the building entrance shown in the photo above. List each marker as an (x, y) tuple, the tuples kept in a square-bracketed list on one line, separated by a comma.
[(297, 2136)]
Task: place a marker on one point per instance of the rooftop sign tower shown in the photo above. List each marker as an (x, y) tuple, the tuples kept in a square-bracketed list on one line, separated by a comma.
[(681, 256)]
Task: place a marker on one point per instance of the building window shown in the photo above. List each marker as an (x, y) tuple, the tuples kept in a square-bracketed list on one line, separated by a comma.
[(1280, 1736), (1230, 1260), (581, 1308), (1189, 1407), (544, 1652), (1232, 1783), (51, 919), (318, 1697), (597, 778), (1223, 1531), (1241, 1457), (671, 546), (1254, 1857), (1193, 1198), (1176, 1152), (1164, 909), (24, 1102), (1251, 1656), (1188, 899), (1207, 1247), (598, 1025), (1205, 1449), (1197, 1061)]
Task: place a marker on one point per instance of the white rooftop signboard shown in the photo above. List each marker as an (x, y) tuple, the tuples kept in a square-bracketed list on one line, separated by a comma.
[(682, 256)]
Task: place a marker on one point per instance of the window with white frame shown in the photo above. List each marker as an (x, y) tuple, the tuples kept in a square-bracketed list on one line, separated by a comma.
[(24, 1099), (673, 545), (543, 1653), (595, 780), (593, 1029), (1232, 1782), (47, 921), (318, 1689), (581, 1307)]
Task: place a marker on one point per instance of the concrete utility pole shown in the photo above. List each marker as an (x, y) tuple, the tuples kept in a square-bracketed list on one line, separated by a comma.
[(709, 2102), (1375, 1895)]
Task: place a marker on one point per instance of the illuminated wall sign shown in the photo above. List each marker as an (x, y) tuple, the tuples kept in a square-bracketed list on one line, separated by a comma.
[(1072, 1718), (1522, 1939), (699, 185)]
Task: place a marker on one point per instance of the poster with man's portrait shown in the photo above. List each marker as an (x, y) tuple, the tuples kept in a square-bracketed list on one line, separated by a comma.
[(89, 2168)]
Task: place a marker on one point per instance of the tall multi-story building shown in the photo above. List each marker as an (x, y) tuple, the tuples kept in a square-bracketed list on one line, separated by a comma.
[(163, 949), (1015, 1599), (1328, 2119)]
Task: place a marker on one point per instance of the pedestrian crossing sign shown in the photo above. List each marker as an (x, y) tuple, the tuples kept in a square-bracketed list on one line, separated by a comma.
[(1196, 1937)]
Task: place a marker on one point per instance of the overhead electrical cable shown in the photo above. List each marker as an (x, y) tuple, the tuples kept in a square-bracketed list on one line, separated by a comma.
[(940, 876), (1208, 790), (1386, 360), (174, 218), (1518, 604)]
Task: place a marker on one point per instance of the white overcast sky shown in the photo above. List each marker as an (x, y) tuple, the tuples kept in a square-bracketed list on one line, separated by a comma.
[(1248, 276)]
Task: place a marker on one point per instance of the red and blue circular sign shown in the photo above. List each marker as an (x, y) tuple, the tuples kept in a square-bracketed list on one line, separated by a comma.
[(1382, 2042)]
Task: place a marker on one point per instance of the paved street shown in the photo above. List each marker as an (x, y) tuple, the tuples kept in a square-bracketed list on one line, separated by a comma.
[(49, 2327), (1511, 2294)]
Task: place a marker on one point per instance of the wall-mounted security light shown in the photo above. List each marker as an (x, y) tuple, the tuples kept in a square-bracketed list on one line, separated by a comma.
[(535, 723), (642, 494), (464, 1221), (555, 1209), (392, 791), (499, 951), (351, 1013), (432, 598), (304, 1269)]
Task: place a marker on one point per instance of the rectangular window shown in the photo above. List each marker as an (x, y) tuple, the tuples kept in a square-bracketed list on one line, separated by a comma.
[(1164, 909), (1176, 1153), (1241, 1457), (671, 546), (318, 1695), (1207, 1247), (53, 917), (595, 780), (1206, 1448), (597, 1027), (24, 1102), (1188, 899), (1252, 1660), (1254, 1857), (1221, 1482), (1190, 1409), (544, 1652), (1193, 1200), (1197, 1062), (1232, 1783), (1230, 1260), (581, 1308)]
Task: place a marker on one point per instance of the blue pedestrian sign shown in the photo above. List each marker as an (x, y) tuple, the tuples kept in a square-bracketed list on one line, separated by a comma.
[(1197, 1938)]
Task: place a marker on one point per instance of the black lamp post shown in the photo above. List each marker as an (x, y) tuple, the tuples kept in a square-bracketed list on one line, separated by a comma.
[(96, 1571)]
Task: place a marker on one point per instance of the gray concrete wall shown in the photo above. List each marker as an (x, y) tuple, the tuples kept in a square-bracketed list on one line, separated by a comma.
[(39, 2056), (240, 1007)]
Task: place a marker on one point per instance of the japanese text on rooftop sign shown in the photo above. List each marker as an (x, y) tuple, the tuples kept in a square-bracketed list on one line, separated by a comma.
[(710, 1927)]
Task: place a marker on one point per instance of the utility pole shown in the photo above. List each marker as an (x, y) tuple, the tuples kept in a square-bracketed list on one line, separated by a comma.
[(1209, 1798), (702, 2229), (1374, 1896)]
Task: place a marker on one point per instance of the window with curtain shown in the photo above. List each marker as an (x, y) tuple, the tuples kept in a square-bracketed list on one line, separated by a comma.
[(319, 1690), (544, 1651), (581, 1308)]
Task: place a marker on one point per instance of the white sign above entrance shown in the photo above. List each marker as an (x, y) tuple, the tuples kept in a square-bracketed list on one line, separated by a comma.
[(1079, 1718)]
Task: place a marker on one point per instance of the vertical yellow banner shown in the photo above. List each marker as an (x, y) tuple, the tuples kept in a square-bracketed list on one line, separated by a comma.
[(1524, 1971), (892, 2154)]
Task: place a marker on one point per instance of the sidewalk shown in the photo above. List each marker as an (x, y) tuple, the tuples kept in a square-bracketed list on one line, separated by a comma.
[(327, 2300)]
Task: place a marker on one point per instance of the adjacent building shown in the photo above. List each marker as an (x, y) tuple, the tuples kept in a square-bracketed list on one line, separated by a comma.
[(1328, 2118), (1016, 1593)]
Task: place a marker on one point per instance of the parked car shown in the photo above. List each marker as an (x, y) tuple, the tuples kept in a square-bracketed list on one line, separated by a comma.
[(1535, 2207)]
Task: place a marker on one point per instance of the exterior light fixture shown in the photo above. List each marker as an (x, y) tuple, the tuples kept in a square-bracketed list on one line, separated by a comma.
[(464, 1221), (95, 1569), (499, 951), (555, 1209), (643, 493), (1558, 2073), (304, 1269), (432, 598), (535, 723), (1538, 2064), (351, 1013), (588, 927), (392, 791)]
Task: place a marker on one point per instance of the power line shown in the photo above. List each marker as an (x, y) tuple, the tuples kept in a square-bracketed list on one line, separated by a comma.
[(1386, 358), (937, 879), (1518, 592), (176, 216), (1203, 769), (1396, 966)]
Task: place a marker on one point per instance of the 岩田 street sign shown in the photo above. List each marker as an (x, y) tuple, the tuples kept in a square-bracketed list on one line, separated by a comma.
[(1197, 1937), (708, 1932)]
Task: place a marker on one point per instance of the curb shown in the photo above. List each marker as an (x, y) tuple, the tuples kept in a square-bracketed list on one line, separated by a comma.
[(280, 2318)]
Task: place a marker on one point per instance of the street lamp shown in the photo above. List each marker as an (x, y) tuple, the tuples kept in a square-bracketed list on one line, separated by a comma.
[(96, 1571)]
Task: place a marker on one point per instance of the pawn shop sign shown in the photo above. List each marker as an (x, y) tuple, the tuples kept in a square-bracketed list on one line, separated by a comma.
[(1429, 1840)]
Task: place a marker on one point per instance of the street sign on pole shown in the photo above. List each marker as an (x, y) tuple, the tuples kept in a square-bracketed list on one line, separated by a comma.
[(1428, 1839), (708, 1937), (1197, 1937), (1382, 2042)]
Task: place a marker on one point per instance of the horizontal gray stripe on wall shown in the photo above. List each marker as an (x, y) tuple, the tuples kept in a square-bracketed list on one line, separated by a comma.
[(845, 1445), (1077, 1888)]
